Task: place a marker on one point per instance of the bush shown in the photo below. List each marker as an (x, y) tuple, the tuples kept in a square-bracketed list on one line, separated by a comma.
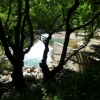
[(83, 85)]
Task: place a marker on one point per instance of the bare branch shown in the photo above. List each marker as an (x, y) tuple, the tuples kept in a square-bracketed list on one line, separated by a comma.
[(87, 23), (23, 24), (11, 44), (18, 26), (54, 21), (19, 13), (27, 7), (58, 28), (63, 9), (4, 42), (22, 35)]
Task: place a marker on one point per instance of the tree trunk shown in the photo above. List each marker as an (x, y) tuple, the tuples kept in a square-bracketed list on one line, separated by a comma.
[(43, 65), (17, 75), (63, 55)]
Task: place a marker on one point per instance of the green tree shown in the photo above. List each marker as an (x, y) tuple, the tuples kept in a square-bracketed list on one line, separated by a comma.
[(74, 15), (16, 43)]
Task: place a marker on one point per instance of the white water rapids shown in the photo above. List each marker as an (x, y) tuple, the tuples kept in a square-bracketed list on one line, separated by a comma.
[(34, 56)]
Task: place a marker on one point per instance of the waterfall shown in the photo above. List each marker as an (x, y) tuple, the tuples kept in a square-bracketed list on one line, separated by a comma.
[(34, 56)]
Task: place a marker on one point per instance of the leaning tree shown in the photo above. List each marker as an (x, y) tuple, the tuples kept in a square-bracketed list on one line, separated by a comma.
[(73, 15), (13, 36)]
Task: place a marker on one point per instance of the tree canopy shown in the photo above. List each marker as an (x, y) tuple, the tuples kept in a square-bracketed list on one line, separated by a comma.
[(20, 19)]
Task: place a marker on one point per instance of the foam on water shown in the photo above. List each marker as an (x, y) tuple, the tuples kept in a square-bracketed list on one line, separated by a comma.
[(34, 56)]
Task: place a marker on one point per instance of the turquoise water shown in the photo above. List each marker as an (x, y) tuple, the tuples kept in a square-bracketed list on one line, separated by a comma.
[(57, 40), (32, 62), (35, 55)]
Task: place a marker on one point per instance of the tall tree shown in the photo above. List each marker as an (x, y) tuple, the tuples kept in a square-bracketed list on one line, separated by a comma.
[(16, 43), (74, 15)]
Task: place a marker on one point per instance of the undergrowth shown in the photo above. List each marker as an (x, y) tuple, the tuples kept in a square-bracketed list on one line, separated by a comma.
[(83, 85)]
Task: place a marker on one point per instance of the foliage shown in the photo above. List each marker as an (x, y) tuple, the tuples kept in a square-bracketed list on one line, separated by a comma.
[(4, 63), (70, 86), (19, 16)]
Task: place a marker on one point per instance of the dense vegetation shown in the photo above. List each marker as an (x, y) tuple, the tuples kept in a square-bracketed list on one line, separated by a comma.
[(19, 21), (68, 86)]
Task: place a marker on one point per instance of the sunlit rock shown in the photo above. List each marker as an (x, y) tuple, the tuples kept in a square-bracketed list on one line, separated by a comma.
[(28, 70), (5, 72), (32, 69)]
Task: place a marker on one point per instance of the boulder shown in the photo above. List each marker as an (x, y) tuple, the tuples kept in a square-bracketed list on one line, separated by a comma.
[(28, 70), (3, 79), (27, 74), (10, 73), (32, 68), (25, 68), (0, 75), (24, 73), (38, 76), (9, 78), (33, 74), (5, 72)]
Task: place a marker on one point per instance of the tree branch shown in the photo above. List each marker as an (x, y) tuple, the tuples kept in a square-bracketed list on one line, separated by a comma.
[(87, 23), (54, 21), (85, 44), (63, 12), (22, 34), (27, 7), (4, 42), (18, 26), (71, 10), (9, 12), (58, 28)]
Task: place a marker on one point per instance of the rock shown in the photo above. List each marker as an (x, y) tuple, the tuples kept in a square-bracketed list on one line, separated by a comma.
[(10, 73), (24, 73), (5, 72), (3, 79), (38, 76), (33, 74), (40, 69), (0, 75), (25, 68), (28, 70), (9, 78), (27, 74), (32, 69), (80, 43), (3, 90), (6, 96)]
